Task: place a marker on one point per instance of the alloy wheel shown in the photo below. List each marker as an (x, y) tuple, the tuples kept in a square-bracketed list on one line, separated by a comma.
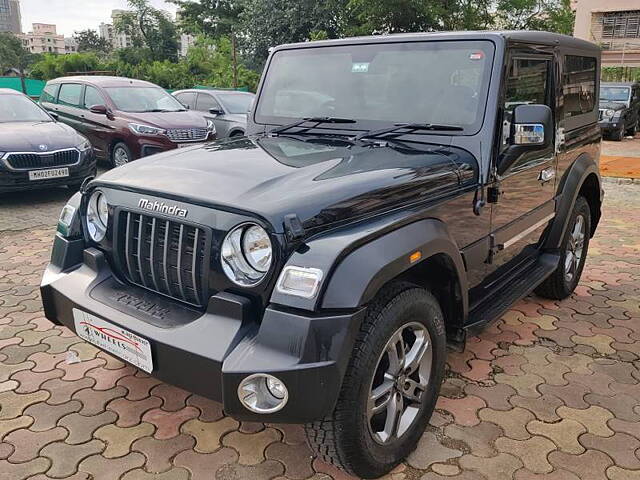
[(120, 156), (399, 382), (575, 247)]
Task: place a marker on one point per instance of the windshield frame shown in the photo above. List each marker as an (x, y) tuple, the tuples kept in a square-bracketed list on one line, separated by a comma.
[(368, 125), (109, 89), (628, 88), (46, 117)]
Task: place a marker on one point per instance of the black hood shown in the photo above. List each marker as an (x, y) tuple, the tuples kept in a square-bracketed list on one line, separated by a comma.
[(607, 105), (323, 181), (30, 136)]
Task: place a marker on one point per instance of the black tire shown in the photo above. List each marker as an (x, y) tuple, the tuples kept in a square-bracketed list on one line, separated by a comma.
[(558, 285), (345, 438), (116, 150), (236, 134), (631, 132), (618, 136)]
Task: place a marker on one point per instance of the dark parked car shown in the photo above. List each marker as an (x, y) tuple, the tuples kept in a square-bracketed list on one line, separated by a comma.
[(619, 109), (124, 119), (36, 151), (226, 109), (314, 271)]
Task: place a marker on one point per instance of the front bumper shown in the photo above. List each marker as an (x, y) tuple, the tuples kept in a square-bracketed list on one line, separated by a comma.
[(16, 180), (608, 128), (144, 146), (210, 352)]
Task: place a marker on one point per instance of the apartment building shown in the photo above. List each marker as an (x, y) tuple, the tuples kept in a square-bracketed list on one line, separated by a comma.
[(10, 20), (612, 24), (43, 38), (109, 32)]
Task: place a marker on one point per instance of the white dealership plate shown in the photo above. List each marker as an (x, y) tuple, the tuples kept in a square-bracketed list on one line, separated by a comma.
[(115, 340), (185, 145), (50, 173)]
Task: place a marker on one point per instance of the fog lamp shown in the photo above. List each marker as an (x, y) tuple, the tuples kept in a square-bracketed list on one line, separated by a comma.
[(263, 393)]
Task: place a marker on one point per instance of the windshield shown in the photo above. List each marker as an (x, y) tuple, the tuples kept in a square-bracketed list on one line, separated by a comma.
[(415, 82), (614, 94), (236, 102), (143, 99), (16, 108)]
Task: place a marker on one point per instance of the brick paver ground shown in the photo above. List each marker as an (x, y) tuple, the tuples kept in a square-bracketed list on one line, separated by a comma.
[(550, 391)]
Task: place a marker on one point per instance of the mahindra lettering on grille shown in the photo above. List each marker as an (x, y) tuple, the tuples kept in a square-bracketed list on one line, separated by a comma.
[(165, 256), (162, 207)]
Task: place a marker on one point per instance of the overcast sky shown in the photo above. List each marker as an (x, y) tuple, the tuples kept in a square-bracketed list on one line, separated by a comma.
[(72, 15)]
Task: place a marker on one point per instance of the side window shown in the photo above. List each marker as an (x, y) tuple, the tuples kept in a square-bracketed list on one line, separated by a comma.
[(527, 84), (206, 102), (92, 97), (579, 85), (188, 99), (49, 93), (70, 94)]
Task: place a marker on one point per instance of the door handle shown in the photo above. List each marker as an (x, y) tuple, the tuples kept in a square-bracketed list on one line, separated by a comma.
[(547, 175)]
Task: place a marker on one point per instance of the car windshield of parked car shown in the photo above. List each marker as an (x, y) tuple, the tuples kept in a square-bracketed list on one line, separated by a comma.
[(16, 108), (236, 102), (614, 94), (437, 82), (143, 99)]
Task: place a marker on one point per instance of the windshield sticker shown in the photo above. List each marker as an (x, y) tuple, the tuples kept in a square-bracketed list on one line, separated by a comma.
[(361, 67)]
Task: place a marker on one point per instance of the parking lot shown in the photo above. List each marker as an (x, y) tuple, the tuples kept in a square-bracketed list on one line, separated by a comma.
[(550, 391)]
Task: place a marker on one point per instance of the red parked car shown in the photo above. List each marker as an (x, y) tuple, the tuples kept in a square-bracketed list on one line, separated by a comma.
[(124, 119)]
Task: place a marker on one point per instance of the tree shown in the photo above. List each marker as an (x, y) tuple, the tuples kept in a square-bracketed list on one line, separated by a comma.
[(551, 15), (89, 41), (151, 28), (14, 55), (267, 23)]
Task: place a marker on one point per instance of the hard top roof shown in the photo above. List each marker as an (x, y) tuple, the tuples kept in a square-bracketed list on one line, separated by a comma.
[(105, 81)]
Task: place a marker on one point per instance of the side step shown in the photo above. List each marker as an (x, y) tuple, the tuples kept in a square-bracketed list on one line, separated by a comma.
[(519, 286)]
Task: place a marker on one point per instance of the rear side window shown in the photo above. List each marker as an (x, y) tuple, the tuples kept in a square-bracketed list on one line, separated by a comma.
[(49, 93), (92, 97), (187, 99), (70, 94), (579, 85)]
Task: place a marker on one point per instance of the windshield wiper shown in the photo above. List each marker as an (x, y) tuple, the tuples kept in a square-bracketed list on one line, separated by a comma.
[(411, 127), (317, 120)]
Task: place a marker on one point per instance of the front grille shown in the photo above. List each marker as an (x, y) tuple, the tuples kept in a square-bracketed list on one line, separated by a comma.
[(43, 160), (165, 256), (187, 134)]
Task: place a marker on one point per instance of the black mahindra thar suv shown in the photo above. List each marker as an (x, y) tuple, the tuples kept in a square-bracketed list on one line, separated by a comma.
[(393, 194)]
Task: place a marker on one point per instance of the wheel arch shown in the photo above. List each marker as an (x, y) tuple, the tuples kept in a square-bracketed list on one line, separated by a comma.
[(582, 178)]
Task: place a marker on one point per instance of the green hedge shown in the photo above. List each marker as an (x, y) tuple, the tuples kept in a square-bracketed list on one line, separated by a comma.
[(620, 74)]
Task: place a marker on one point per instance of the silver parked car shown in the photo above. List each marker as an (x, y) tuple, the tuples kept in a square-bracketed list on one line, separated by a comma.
[(227, 109)]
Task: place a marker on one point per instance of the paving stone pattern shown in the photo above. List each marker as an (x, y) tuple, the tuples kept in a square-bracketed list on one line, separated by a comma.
[(549, 391)]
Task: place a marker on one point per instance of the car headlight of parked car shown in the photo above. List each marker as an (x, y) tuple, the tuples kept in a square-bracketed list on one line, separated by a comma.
[(97, 216), (247, 254), (140, 129), (609, 113), (211, 127)]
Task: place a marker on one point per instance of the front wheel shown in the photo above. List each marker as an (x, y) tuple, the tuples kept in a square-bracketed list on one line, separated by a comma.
[(120, 155), (390, 387), (575, 244)]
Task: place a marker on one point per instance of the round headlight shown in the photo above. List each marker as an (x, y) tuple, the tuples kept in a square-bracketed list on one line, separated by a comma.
[(246, 254), (97, 216), (257, 248), (610, 113)]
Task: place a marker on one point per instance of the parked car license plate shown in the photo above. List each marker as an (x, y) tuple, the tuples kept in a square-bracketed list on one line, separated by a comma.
[(115, 340), (50, 173), (185, 145)]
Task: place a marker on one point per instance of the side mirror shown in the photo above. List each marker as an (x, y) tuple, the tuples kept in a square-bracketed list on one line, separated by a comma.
[(531, 131), (215, 111), (99, 109), (55, 116)]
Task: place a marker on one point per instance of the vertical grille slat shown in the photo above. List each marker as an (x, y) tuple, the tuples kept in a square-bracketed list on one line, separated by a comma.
[(165, 256)]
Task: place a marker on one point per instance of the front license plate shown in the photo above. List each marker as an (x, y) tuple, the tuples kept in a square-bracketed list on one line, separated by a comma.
[(115, 340), (46, 174), (185, 145)]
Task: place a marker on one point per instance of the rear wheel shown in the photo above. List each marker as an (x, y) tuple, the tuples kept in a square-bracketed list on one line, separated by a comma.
[(120, 155), (390, 387), (575, 245)]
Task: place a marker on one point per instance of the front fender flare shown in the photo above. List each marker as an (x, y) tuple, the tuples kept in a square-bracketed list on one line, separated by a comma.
[(362, 273)]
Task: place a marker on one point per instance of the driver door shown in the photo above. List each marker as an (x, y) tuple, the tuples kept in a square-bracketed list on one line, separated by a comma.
[(524, 195)]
